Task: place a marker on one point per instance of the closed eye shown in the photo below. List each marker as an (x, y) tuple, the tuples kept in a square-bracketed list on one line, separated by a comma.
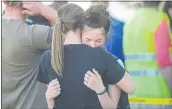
[(88, 40)]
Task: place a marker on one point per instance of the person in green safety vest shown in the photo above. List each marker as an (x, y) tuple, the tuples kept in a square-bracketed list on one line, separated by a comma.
[(147, 51)]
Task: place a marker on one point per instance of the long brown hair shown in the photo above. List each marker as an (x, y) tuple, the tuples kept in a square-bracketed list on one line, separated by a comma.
[(69, 19)]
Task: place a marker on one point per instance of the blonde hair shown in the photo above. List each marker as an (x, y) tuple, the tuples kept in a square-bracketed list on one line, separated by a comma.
[(69, 19)]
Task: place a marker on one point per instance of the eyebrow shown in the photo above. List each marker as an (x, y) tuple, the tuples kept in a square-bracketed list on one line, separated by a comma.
[(88, 38), (99, 39)]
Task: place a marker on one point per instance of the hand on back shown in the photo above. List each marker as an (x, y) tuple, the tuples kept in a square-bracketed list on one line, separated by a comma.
[(53, 90), (94, 81)]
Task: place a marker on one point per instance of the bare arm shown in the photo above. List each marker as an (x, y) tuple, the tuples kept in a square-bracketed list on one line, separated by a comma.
[(108, 101), (126, 84), (50, 104), (49, 13), (116, 75), (53, 90), (38, 8)]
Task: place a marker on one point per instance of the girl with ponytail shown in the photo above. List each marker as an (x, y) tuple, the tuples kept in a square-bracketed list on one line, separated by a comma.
[(77, 75)]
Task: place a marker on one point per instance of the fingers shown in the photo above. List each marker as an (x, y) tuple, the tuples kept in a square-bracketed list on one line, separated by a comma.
[(27, 12), (56, 94), (54, 85), (54, 82), (96, 73), (28, 6), (56, 90), (53, 89), (88, 76), (86, 83), (52, 94), (86, 79), (91, 74)]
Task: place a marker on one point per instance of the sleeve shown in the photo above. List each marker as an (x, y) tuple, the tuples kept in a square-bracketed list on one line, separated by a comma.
[(162, 44), (42, 72), (41, 37), (114, 71), (120, 62)]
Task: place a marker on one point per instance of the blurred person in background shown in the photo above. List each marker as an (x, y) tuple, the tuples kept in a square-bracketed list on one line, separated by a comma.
[(147, 53), (22, 47), (168, 9), (41, 20), (120, 12)]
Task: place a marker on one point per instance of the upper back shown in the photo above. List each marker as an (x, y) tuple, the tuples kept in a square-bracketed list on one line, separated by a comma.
[(19, 64), (141, 30), (16, 41), (145, 19), (78, 59)]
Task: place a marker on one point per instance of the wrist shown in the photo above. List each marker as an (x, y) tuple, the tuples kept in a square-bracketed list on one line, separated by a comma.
[(50, 103), (42, 10), (102, 91)]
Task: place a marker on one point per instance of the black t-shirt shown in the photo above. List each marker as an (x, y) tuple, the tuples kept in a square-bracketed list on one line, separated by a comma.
[(78, 59)]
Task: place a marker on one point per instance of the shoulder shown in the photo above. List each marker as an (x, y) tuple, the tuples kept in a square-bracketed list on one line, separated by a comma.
[(36, 29), (119, 61), (46, 57), (96, 50)]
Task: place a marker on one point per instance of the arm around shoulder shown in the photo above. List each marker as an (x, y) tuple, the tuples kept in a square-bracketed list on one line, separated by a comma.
[(127, 84), (116, 75)]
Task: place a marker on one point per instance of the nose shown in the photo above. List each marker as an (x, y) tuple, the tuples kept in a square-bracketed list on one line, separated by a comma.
[(93, 44)]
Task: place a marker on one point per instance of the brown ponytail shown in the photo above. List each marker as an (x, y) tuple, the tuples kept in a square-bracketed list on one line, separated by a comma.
[(57, 47), (69, 19)]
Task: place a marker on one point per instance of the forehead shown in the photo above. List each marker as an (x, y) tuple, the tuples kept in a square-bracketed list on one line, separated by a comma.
[(93, 32)]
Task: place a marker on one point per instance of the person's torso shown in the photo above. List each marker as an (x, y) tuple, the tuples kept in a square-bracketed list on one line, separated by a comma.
[(140, 58), (78, 59), (19, 65)]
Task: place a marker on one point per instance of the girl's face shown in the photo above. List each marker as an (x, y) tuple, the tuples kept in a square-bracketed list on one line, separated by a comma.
[(93, 37)]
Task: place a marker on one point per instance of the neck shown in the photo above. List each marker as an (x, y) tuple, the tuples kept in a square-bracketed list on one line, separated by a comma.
[(72, 38), (14, 13)]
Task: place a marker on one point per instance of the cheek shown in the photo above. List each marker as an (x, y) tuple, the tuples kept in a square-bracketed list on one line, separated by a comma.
[(100, 44), (84, 41)]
